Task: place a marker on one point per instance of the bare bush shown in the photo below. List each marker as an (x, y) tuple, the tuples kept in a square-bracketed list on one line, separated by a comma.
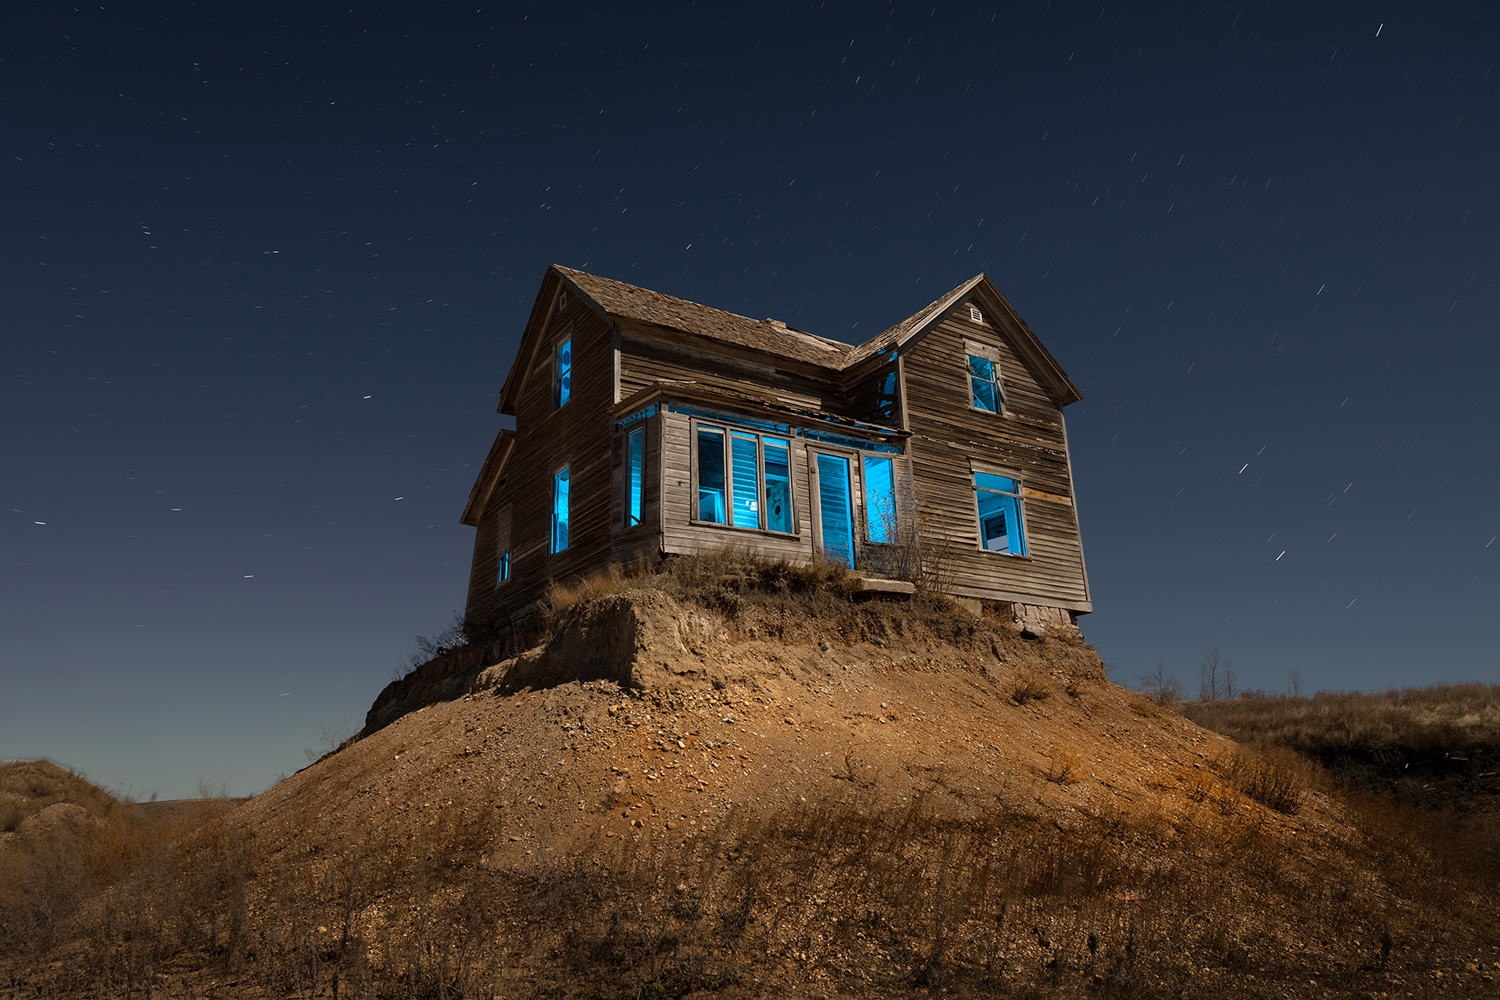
[(1217, 680), (1160, 686)]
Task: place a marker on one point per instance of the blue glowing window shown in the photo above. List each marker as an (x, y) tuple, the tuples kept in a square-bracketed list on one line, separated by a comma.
[(635, 472), (984, 381), (880, 498), (562, 374), (999, 503), (560, 511)]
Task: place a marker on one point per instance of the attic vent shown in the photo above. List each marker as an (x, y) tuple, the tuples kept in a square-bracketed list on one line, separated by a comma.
[(562, 300), (975, 314)]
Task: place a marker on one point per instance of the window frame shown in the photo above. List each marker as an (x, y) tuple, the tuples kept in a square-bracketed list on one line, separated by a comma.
[(558, 398), (562, 475), (897, 518), (633, 493), (728, 430), (504, 525), (1023, 531), (859, 526), (985, 352)]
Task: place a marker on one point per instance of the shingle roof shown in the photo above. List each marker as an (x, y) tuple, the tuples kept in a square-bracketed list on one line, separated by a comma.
[(896, 334), (642, 305), (646, 306)]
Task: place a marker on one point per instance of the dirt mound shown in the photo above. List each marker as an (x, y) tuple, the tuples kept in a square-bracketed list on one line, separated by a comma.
[(759, 797)]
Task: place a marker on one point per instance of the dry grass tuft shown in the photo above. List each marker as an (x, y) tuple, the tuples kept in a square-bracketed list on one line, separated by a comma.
[(1030, 685), (1065, 768)]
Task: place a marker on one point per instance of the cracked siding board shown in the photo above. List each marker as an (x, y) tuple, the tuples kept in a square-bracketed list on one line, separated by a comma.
[(576, 436), (645, 360)]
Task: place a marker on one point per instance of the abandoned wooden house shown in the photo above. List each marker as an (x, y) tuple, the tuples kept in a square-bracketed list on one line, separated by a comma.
[(647, 426)]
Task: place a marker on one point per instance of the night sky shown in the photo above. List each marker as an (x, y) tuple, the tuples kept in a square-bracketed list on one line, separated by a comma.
[(264, 275)]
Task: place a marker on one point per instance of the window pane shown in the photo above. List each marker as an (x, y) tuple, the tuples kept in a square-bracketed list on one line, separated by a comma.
[(710, 475), (982, 378), (504, 573), (986, 481), (999, 517), (637, 466), (564, 371), (778, 485), (560, 511), (880, 498), (835, 514), (746, 481)]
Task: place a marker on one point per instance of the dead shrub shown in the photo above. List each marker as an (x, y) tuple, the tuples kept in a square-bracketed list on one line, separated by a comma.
[(1064, 768), (1030, 685), (1271, 780)]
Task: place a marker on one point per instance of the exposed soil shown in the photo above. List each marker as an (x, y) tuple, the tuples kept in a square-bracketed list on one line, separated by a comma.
[(851, 801)]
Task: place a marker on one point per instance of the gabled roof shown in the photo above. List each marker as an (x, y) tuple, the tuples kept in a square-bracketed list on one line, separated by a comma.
[(618, 301), (489, 475), (624, 301)]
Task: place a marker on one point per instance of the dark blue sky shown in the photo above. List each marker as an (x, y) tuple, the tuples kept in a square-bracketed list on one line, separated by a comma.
[(264, 275)]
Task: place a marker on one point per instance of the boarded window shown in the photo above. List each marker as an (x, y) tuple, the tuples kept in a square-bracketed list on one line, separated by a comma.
[(999, 502), (502, 545), (562, 374), (635, 475), (560, 511)]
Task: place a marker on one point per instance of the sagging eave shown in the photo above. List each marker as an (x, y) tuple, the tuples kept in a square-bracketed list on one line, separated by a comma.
[(664, 392), (490, 473)]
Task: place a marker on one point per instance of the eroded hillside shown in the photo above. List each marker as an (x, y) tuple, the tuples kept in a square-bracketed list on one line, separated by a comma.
[(750, 797)]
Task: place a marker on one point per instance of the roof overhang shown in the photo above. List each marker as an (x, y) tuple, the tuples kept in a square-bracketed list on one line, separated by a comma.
[(490, 474), (754, 405)]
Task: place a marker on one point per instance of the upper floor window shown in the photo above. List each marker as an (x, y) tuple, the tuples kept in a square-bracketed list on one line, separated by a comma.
[(562, 373), (984, 382), (744, 479), (999, 501), (559, 511)]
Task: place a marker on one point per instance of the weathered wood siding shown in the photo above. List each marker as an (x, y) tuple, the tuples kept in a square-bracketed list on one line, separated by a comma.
[(576, 436), (642, 542), (1027, 440), (645, 359), (681, 534)]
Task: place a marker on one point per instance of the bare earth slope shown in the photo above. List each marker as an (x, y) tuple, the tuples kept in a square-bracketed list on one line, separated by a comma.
[(662, 798), (790, 795)]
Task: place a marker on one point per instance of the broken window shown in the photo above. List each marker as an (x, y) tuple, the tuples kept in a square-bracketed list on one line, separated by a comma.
[(999, 502), (984, 377), (635, 475), (744, 479), (562, 373), (559, 511)]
